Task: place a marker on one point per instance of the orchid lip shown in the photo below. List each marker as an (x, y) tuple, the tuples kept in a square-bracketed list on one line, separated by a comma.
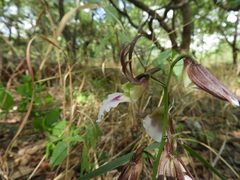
[(112, 101)]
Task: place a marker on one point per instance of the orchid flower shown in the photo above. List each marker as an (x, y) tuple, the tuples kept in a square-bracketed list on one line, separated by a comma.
[(133, 169), (153, 123), (170, 166), (198, 76), (131, 94), (133, 89)]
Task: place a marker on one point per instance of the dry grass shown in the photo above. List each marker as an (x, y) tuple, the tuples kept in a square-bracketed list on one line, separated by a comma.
[(122, 131), (197, 115), (211, 123)]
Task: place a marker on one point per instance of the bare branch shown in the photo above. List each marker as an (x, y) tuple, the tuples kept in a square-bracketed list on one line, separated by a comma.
[(163, 24), (151, 36), (226, 7)]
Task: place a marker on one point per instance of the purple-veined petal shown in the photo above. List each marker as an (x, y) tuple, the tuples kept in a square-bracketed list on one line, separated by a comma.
[(112, 101), (172, 167), (133, 169), (204, 80)]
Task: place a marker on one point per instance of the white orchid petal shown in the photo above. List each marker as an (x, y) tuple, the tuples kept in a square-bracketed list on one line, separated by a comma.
[(153, 128), (112, 101), (186, 177), (234, 102)]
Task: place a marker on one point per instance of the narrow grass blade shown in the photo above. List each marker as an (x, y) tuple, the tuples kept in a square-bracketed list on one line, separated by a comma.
[(108, 167), (115, 163), (207, 164)]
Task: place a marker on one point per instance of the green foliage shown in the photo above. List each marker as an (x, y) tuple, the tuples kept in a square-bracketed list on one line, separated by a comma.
[(111, 15), (178, 68), (123, 37), (90, 141), (45, 120), (161, 59), (95, 35), (6, 99), (25, 90), (108, 167), (59, 153), (42, 120), (58, 145), (49, 121), (102, 44)]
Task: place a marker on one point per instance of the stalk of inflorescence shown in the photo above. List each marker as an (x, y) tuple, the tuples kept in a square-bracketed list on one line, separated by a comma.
[(165, 119)]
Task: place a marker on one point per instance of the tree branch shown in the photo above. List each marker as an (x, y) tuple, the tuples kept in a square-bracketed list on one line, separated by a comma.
[(171, 33), (151, 36), (226, 7)]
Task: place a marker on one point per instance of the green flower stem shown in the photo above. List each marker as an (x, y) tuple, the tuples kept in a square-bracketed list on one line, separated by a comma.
[(165, 119)]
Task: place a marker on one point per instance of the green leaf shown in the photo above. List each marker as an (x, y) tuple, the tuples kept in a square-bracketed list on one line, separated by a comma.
[(85, 164), (91, 136), (143, 63), (161, 57), (53, 139), (83, 97), (115, 163), (58, 128), (102, 44), (1, 85), (123, 37), (6, 100), (178, 68), (94, 1), (59, 153), (108, 167), (25, 90), (48, 99), (49, 147), (111, 14), (200, 158), (52, 116), (75, 138), (38, 123)]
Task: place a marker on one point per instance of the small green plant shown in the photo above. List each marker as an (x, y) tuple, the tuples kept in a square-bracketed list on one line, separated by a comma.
[(6, 100), (46, 117)]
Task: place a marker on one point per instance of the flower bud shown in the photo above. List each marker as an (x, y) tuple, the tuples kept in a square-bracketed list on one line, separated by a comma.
[(170, 166), (133, 169), (198, 76)]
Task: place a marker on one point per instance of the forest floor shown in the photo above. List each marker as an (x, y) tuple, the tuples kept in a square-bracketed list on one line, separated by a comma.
[(212, 124)]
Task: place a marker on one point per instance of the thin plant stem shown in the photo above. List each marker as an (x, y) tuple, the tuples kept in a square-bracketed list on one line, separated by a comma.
[(165, 119)]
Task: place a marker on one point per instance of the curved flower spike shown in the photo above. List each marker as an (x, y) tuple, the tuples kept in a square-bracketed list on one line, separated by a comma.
[(198, 76), (126, 52)]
